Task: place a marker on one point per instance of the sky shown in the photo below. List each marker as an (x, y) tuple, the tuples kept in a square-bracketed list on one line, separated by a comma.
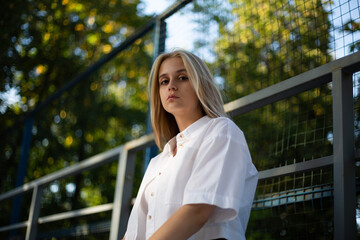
[(156, 6), (180, 28)]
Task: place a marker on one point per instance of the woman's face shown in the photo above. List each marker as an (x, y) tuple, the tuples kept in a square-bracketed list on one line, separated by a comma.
[(176, 92)]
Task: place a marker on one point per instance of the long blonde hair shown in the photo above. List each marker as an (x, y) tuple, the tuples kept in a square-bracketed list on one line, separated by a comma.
[(163, 123)]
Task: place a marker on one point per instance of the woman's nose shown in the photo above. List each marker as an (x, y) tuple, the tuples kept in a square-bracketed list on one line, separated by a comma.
[(172, 85)]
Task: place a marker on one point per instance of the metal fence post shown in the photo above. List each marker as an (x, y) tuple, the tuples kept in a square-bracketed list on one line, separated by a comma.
[(159, 47), (31, 230), (123, 194), (344, 159), (21, 172)]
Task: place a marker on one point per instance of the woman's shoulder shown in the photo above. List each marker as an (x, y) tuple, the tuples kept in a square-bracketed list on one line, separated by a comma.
[(224, 123), (223, 126)]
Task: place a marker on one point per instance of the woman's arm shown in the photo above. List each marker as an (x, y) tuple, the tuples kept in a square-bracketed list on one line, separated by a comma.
[(186, 221)]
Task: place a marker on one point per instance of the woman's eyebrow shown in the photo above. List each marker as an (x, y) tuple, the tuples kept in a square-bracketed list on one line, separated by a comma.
[(178, 71), (162, 75)]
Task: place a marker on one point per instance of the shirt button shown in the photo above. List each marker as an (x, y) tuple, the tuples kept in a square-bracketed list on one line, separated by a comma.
[(152, 194), (180, 145), (149, 217), (159, 173), (181, 135)]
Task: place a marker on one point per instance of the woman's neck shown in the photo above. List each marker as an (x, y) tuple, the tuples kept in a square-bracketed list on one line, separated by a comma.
[(184, 122)]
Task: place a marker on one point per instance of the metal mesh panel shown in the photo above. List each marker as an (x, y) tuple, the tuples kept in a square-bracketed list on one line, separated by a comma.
[(250, 45), (290, 131), (345, 29), (293, 130), (293, 207)]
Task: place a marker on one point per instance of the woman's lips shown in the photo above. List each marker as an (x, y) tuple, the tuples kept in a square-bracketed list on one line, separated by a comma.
[(172, 97)]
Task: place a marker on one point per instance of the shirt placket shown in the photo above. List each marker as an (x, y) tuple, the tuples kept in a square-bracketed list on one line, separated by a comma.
[(150, 218), (181, 141), (155, 184)]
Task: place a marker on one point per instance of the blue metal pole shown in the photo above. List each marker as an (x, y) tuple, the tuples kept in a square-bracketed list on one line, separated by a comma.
[(159, 47), (21, 172)]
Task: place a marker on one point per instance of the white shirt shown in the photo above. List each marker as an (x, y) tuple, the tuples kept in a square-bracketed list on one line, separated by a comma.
[(212, 166)]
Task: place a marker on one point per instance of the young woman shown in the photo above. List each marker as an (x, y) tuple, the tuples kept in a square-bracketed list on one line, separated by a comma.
[(202, 184)]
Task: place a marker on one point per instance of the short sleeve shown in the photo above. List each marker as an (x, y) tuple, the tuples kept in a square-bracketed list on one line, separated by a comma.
[(219, 173)]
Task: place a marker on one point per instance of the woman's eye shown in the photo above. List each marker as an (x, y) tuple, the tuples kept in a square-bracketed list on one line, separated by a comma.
[(163, 82), (183, 78)]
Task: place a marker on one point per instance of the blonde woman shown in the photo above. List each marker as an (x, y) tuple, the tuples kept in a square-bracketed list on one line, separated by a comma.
[(202, 184)]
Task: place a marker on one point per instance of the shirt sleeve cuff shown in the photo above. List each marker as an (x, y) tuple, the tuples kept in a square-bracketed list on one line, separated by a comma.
[(225, 210)]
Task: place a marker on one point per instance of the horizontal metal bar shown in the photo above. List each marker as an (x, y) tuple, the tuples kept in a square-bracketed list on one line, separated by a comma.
[(76, 213), (14, 226), (295, 193), (296, 168), (77, 231), (62, 216), (292, 86), (90, 163), (140, 143), (292, 198)]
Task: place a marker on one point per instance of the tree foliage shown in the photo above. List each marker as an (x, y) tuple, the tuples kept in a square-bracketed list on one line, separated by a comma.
[(45, 44), (262, 43)]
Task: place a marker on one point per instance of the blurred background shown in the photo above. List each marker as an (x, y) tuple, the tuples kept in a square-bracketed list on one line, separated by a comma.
[(248, 45)]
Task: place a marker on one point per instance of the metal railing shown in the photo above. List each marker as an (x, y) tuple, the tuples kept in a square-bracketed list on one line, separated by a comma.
[(125, 155), (339, 72)]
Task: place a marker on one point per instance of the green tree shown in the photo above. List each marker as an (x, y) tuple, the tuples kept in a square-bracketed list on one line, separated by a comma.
[(45, 44)]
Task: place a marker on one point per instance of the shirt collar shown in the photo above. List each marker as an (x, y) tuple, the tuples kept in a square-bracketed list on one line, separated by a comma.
[(193, 128), (186, 134)]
